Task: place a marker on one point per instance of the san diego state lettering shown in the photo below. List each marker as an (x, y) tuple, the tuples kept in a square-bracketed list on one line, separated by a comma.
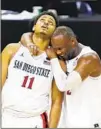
[(31, 69), (18, 64)]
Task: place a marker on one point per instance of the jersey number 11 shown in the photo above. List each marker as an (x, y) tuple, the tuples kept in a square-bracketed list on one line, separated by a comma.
[(26, 78)]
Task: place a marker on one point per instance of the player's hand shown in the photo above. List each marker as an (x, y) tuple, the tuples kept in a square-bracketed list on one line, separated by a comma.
[(33, 48), (26, 41), (50, 53)]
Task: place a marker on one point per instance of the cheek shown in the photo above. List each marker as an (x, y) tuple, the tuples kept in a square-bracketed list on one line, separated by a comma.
[(65, 51), (39, 23), (37, 28), (51, 29)]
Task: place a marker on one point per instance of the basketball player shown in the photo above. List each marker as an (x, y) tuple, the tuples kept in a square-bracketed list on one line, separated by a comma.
[(82, 84), (27, 81)]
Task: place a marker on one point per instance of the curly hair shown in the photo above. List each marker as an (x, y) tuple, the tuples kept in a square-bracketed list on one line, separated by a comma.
[(34, 20)]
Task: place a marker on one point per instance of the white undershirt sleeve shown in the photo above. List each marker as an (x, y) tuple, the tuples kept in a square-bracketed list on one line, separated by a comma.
[(65, 82)]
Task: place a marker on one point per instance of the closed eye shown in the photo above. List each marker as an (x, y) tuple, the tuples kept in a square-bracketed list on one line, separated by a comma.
[(51, 23), (41, 19)]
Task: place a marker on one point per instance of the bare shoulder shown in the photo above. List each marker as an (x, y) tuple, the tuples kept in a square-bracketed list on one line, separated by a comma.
[(89, 64), (89, 58), (12, 48), (13, 45)]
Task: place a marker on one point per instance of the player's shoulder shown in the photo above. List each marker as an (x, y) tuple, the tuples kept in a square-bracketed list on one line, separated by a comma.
[(12, 48), (88, 53), (13, 45), (90, 56), (27, 34), (89, 59)]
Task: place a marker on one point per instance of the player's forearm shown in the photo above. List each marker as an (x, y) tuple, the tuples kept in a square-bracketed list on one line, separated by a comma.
[(54, 115), (65, 82), (59, 75)]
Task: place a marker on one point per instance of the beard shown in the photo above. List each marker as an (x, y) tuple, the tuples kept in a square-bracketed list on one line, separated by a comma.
[(66, 56)]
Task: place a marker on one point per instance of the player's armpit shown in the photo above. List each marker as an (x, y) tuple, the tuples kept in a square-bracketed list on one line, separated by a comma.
[(56, 106)]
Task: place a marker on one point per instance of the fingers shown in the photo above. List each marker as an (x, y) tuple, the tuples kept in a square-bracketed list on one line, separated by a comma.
[(51, 53), (33, 48)]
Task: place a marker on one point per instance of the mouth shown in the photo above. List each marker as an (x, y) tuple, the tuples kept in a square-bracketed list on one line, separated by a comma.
[(44, 27)]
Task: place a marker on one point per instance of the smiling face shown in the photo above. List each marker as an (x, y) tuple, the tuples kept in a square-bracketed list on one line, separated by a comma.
[(45, 25), (62, 45)]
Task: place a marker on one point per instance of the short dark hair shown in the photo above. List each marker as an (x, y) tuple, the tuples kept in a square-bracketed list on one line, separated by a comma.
[(64, 30), (34, 20)]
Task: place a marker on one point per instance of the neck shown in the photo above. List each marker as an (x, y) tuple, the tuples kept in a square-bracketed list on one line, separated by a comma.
[(41, 41)]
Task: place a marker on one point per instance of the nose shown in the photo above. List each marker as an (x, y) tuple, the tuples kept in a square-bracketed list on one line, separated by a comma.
[(46, 22)]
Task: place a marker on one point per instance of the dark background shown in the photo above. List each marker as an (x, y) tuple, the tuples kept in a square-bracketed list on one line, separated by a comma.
[(87, 29)]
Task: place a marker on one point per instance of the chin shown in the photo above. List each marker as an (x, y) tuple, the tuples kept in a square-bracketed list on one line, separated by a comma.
[(43, 33)]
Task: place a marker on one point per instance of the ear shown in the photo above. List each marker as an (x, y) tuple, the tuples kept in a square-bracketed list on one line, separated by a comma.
[(33, 28)]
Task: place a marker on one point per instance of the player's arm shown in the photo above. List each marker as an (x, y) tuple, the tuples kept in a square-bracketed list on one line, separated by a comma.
[(26, 40), (88, 65), (56, 106), (6, 56)]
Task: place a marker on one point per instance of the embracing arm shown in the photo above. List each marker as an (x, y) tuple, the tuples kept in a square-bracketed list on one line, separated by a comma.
[(6, 56), (88, 65), (26, 40), (56, 106)]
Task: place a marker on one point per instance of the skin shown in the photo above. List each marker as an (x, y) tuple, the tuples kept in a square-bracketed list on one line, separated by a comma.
[(41, 38), (68, 48), (87, 65), (43, 31), (7, 55)]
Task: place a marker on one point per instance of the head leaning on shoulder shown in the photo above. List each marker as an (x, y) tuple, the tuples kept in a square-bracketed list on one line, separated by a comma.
[(63, 40), (45, 23)]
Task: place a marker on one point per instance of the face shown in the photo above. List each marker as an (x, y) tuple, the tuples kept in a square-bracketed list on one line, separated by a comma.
[(62, 45), (45, 25)]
